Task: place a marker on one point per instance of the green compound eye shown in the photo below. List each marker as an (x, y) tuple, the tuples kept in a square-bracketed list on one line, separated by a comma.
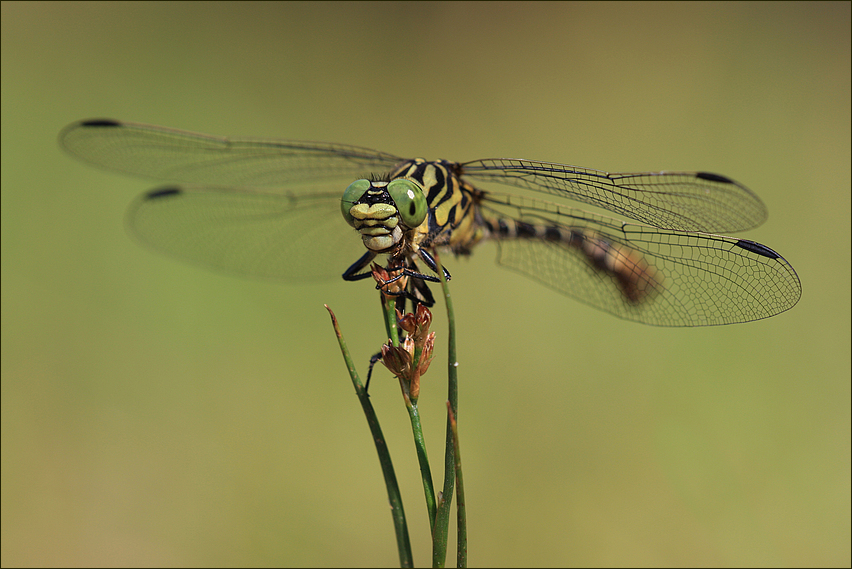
[(352, 194), (410, 201)]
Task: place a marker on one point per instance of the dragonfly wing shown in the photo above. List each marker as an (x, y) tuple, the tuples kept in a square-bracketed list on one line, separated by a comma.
[(253, 233), (656, 276), (192, 158), (686, 201)]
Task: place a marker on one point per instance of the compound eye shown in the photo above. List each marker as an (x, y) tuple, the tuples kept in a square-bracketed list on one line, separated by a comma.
[(410, 201), (352, 194)]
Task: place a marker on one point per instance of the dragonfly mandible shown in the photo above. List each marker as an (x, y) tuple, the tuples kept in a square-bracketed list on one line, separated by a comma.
[(272, 208)]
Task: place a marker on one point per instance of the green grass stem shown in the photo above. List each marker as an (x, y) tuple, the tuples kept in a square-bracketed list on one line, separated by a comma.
[(439, 539), (397, 513)]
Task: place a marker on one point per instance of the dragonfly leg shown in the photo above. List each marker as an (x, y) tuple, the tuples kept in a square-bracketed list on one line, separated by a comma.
[(373, 360), (420, 294), (378, 356), (430, 261), (353, 273), (415, 289)]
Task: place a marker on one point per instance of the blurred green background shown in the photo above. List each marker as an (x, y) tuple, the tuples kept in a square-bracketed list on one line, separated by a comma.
[(154, 413)]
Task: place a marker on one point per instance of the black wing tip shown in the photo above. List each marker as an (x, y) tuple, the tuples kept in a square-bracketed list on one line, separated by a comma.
[(100, 123), (163, 193), (714, 177), (755, 247)]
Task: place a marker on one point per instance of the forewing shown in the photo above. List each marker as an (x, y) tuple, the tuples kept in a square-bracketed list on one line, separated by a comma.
[(686, 201), (192, 158)]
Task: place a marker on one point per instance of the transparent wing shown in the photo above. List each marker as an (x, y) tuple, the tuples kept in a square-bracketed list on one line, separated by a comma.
[(656, 276), (248, 213), (253, 233), (687, 201), (192, 158)]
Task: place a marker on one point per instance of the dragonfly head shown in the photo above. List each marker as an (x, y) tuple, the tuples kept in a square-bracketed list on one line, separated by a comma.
[(383, 212)]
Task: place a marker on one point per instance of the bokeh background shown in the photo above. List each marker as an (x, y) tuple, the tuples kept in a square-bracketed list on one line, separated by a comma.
[(155, 413)]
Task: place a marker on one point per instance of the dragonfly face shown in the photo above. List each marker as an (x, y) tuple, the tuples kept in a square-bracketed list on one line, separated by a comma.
[(383, 212), (266, 208)]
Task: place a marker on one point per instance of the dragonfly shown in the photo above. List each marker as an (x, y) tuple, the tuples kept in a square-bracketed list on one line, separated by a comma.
[(272, 209)]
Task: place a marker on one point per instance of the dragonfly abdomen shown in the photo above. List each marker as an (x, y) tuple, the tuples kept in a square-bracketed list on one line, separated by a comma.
[(635, 278)]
